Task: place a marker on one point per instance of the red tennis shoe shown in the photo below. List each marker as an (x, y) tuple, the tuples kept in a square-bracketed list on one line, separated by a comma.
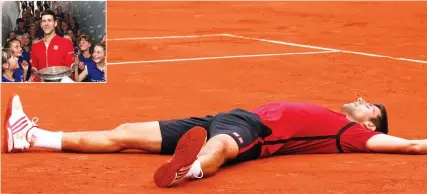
[(185, 155), (16, 127)]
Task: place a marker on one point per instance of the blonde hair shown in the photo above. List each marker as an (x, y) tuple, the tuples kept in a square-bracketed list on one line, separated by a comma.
[(6, 54)]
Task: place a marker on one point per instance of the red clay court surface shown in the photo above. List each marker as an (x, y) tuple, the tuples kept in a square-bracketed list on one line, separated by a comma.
[(198, 78)]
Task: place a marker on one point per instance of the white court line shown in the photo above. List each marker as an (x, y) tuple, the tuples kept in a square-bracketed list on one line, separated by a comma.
[(326, 49), (220, 57), (166, 37), (270, 41), (280, 42)]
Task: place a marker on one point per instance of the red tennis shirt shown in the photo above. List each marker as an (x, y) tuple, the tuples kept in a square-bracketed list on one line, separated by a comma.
[(59, 52), (305, 128)]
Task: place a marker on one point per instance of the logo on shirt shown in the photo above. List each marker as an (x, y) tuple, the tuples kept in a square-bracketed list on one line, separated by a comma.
[(238, 137), (55, 47)]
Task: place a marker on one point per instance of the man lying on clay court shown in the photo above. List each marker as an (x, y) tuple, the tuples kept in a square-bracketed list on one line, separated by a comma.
[(201, 145)]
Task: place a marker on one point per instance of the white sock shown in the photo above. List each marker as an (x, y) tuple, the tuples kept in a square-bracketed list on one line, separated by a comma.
[(46, 139), (195, 171)]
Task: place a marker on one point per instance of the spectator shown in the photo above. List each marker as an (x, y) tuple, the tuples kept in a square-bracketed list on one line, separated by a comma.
[(64, 28), (20, 28), (37, 15), (24, 15), (39, 6), (59, 12), (26, 47), (11, 35), (30, 21), (15, 46), (95, 72), (85, 55), (46, 6), (70, 33), (29, 11), (75, 26), (9, 65), (67, 18), (58, 27), (32, 31)]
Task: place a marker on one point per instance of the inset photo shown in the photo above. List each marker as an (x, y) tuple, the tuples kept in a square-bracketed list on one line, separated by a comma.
[(54, 41)]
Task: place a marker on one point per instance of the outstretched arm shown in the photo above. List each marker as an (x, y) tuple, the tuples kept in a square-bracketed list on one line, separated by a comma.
[(382, 143)]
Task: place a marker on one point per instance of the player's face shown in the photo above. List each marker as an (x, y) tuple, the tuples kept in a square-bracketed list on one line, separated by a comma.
[(48, 24), (361, 110), (98, 54)]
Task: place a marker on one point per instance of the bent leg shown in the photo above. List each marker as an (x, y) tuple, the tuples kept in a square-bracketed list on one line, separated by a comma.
[(217, 151), (145, 136), (193, 160), (235, 137)]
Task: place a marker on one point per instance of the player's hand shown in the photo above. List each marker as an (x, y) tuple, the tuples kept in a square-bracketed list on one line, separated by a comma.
[(25, 65)]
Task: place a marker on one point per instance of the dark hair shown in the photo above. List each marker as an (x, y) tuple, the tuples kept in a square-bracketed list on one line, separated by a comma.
[(381, 122), (19, 20), (49, 12), (86, 37), (8, 34)]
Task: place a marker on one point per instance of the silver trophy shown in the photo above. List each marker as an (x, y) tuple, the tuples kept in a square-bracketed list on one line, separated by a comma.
[(54, 73)]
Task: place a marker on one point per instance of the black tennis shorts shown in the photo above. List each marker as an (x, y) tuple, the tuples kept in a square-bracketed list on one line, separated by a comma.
[(244, 127)]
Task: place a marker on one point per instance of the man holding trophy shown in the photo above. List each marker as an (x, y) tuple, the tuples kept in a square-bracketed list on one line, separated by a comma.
[(53, 57)]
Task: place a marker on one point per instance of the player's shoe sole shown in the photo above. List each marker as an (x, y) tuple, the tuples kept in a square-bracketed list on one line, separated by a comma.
[(186, 152)]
